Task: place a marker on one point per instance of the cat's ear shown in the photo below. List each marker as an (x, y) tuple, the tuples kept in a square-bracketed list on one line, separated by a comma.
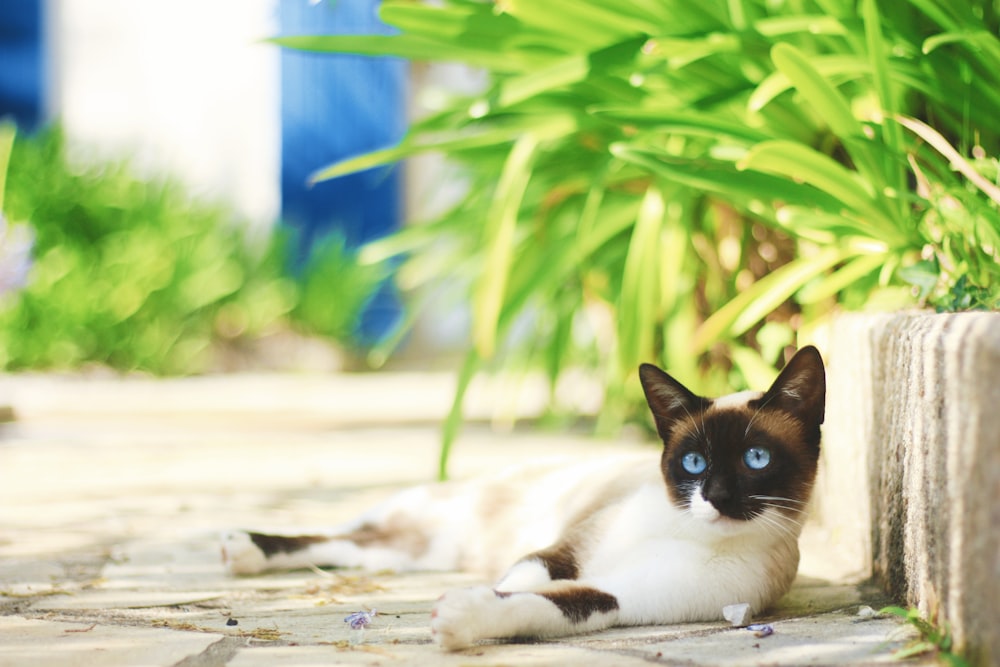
[(668, 399), (800, 388)]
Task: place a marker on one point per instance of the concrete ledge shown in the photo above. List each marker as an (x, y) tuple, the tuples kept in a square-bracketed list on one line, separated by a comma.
[(910, 486)]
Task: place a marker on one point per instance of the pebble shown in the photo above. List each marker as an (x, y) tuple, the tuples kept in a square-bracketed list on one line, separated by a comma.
[(737, 614)]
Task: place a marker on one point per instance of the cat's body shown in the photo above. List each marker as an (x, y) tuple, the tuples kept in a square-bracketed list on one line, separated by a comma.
[(643, 539)]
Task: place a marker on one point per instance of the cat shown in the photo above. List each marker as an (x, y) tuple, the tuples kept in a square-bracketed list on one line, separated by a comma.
[(607, 543)]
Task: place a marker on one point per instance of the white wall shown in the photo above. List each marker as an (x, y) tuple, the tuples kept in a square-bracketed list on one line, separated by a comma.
[(184, 85)]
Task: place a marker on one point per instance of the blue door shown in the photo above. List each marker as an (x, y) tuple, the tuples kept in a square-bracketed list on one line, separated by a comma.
[(22, 65), (332, 107)]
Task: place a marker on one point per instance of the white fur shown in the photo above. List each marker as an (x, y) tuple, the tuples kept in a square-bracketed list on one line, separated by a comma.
[(737, 400), (527, 575), (466, 615), (662, 564)]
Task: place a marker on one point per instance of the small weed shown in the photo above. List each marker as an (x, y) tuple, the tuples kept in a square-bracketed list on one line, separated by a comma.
[(934, 637)]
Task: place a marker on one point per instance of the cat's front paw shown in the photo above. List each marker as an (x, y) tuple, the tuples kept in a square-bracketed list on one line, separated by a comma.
[(240, 555), (462, 616)]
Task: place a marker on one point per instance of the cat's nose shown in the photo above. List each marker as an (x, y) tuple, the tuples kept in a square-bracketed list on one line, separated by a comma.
[(720, 494), (717, 492)]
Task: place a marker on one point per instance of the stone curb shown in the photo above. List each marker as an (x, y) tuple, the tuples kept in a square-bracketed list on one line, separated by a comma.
[(911, 469)]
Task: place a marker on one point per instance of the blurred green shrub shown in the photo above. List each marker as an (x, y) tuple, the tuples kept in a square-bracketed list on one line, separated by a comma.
[(135, 274), (695, 182)]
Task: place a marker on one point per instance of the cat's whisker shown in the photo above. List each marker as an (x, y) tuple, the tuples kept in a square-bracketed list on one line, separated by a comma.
[(784, 507), (769, 522), (781, 498), (786, 520)]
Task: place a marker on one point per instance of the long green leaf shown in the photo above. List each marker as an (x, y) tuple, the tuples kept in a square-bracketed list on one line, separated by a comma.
[(499, 241), (453, 421), (892, 163), (493, 135), (763, 297), (740, 187), (832, 106), (565, 71), (796, 161), (590, 22), (842, 67), (674, 271), (452, 22), (640, 285), (669, 120), (827, 228), (411, 47), (813, 24), (842, 278), (978, 42), (680, 52), (610, 221)]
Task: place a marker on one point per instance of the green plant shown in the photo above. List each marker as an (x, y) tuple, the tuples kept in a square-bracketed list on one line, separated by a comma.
[(333, 289), (135, 274), (692, 183), (933, 637)]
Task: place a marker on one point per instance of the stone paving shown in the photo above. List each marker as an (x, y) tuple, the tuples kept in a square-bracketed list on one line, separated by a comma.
[(112, 494)]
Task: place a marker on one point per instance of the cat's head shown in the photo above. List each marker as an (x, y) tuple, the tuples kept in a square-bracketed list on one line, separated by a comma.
[(746, 455)]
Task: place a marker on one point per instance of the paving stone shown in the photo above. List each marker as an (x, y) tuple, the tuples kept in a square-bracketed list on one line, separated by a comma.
[(422, 656), (118, 599), (817, 640), (42, 643)]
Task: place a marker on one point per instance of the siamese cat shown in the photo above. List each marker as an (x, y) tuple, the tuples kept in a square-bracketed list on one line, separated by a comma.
[(713, 520)]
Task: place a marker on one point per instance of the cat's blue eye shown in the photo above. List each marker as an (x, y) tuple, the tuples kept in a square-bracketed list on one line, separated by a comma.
[(694, 463), (757, 458)]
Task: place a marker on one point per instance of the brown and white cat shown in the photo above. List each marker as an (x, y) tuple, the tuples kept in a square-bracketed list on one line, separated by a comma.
[(621, 542)]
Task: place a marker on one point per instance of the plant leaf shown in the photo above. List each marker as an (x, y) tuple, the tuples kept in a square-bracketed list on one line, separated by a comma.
[(891, 134), (640, 285), (499, 241), (798, 162), (453, 422), (669, 120), (839, 66), (553, 125), (817, 91), (410, 47), (843, 277), (761, 298), (724, 178)]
